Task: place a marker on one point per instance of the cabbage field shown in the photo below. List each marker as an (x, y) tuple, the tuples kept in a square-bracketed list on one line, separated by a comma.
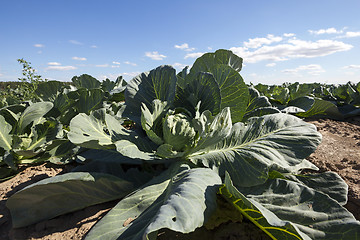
[(179, 151)]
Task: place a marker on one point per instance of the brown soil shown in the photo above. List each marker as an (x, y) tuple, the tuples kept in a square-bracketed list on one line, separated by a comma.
[(339, 152)]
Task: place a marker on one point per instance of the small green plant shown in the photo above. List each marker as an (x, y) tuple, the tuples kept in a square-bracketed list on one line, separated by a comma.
[(29, 81), (25, 90)]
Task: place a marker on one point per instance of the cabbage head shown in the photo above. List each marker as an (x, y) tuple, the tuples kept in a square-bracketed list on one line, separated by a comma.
[(178, 131)]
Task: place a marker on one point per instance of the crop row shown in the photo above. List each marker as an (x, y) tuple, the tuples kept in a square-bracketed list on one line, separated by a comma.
[(171, 146)]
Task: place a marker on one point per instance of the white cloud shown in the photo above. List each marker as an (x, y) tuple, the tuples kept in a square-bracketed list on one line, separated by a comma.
[(193, 55), (109, 76), (61, 68), (103, 65), (130, 63), (57, 66), (116, 63), (79, 58), (312, 69), (93, 46), (179, 65), (53, 64), (270, 64), (184, 47), (75, 42), (352, 66), (155, 55), (289, 34), (38, 45), (115, 66), (350, 35), (258, 42), (326, 31), (294, 48), (209, 48), (130, 74)]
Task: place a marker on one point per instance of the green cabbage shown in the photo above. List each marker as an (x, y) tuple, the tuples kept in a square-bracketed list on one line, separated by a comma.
[(178, 131)]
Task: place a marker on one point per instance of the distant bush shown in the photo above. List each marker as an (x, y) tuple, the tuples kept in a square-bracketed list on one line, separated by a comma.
[(6, 85)]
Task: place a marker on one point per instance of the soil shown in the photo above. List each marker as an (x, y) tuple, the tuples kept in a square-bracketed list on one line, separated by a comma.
[(339, 152)]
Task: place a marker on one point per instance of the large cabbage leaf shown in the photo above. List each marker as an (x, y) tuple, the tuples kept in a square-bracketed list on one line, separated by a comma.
[(260, 216), (201, 88), (159, 84), (322, 108), (221, 56), (85, 81), (297, 90), (151, 122), (224, 66), (89, 100), (49, 90), (106, 132), (63, 194), (233, 90), (257, 105), (211, 130), (5, 136), (252, 148), (88, 131), (180, 199), (329, 183), (32, 113), (289, 210)]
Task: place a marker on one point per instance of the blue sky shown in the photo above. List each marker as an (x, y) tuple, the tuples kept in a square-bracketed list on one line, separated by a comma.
[(280, 41)]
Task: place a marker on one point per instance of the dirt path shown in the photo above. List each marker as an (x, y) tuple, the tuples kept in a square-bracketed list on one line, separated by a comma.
[(339, 152)]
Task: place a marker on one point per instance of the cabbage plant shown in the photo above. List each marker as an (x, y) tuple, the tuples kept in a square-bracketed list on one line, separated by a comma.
[(315, 99), (178, 144), (28, 136), (35, 132)]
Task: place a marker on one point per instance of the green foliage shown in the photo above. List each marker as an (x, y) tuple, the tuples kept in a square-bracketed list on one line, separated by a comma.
[(224, 213), (286, 209), (37, 131), (98, 186), (177, 144), (29, 73), (178, 131), (180, 199), (5, 86), (314, 100), (17, 92), (27, 136), (29, 81)]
